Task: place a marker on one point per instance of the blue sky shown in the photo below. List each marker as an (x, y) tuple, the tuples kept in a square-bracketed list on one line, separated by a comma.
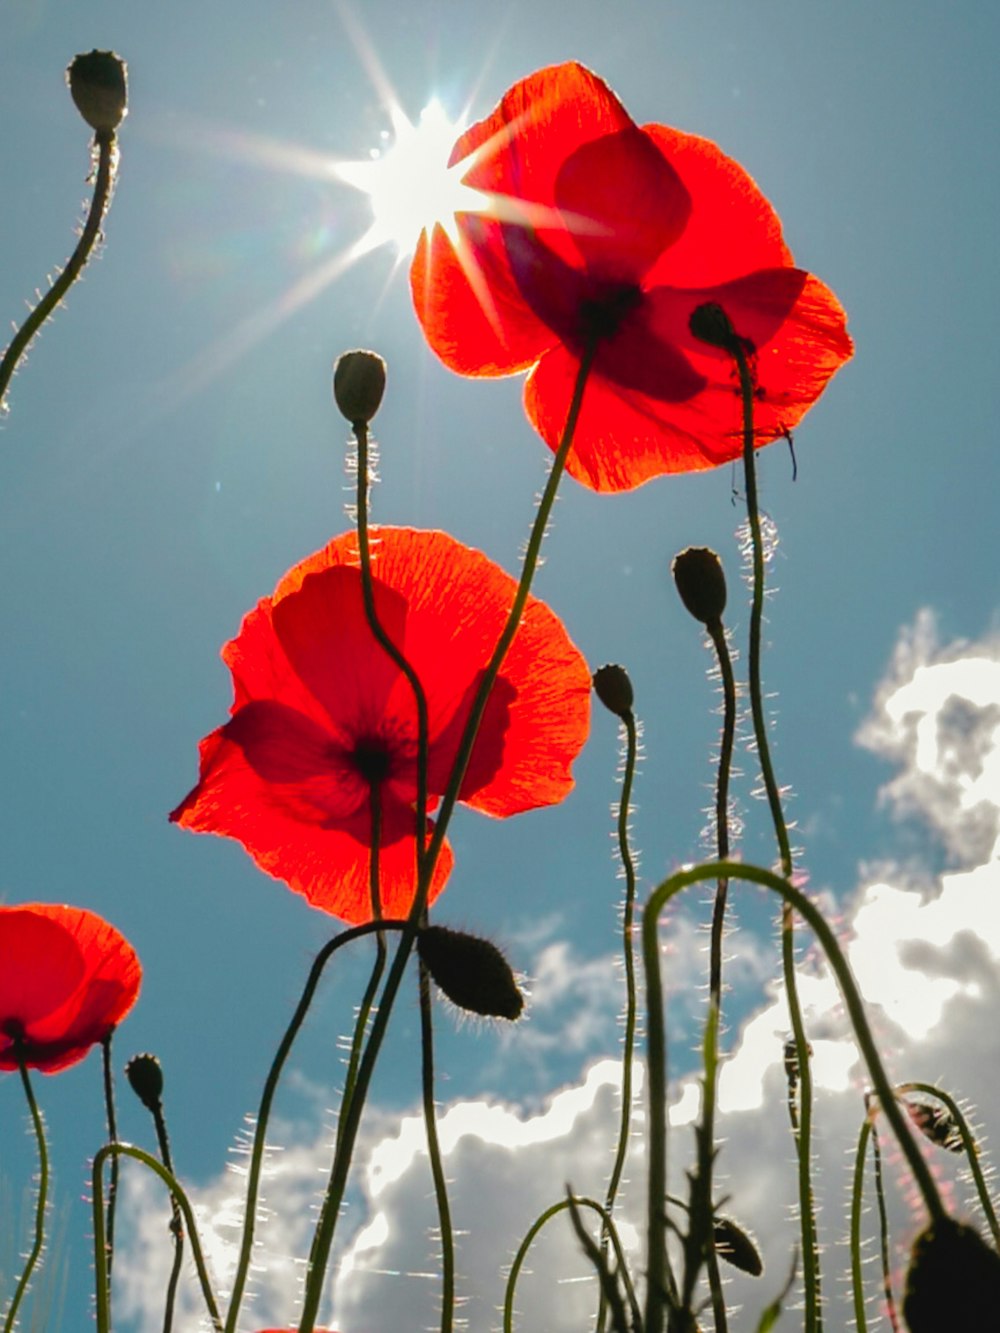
[(171, 449)]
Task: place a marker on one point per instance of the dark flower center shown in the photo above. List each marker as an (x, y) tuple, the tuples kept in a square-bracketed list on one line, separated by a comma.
[(601, 317), (372, 758)]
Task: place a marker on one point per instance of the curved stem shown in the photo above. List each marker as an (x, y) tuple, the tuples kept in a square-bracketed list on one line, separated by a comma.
[(656, 1222), (883, 1233), (969, 1144), (10, 1322), (802, 1123), (434, 1153), (105, 143), (628, 956), (352, 1119), (176, 1192), (522, 1253), (267, 1098)]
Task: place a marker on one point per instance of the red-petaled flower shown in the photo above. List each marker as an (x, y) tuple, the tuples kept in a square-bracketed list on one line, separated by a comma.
[(67, 978), (321, 715), (596, 229)]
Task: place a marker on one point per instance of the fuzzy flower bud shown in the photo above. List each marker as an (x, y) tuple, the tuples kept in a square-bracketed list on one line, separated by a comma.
[(736, 1246), (614, 689), (473, 973), (710, 324), (936, 1123), (145, 1077), (358, 385), (98, 84), (701, 583), (953, 1281)]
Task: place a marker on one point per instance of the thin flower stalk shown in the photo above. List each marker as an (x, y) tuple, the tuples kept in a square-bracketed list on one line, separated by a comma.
[(883, 1233), (445, 1229), (628, 724), (105, 149), (102, 1289), (380, 1023), (854, 1242), (109, 1111), (656, 1056), (41, 1202)]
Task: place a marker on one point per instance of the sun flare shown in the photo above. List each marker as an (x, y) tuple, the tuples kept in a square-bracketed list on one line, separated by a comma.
[(409, 183)]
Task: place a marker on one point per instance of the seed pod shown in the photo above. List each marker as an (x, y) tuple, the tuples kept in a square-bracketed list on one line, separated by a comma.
[(145, 1076), (98, 84), (701, 583), (358, 385), (473, 973), (614, 689)]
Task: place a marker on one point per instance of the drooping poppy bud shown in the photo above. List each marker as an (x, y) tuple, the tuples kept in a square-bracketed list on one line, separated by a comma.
[(472, 972), (701, 583), (358, 385), (614, 689), (710, 324), (936, 1123), (953, 1280), (736, 1246), (98, 84), (145, 1075)]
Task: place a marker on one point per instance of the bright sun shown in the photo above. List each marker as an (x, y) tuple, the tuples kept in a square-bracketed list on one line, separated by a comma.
[(409, 184)]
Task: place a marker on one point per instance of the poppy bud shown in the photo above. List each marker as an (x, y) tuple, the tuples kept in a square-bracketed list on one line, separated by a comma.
[(936, 1123), (98, 84), (358, 385), (736, 1246), (473, 973), (614, 689), (710, 324), (953, 1280), (792, 1060), (701, 583), (145, 1077)]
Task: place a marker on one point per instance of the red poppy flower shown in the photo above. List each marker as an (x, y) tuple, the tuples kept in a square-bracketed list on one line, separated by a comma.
[(595, 228), (321, 713), (67, 978)]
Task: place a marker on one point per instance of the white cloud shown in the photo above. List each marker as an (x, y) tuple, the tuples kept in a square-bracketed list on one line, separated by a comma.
[(927, 957)]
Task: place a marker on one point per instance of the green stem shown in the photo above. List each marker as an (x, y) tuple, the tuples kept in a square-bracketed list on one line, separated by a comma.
[(105, 143), (380, 1023), (109, 1110), (628, 955), (434, 1153), (176, 1218), (522, 1253), (802, 1126), (267, 1099), (656, 1220), (883, 1233), (176, 1192), (968, 1143), (40, 1203), (857, 1200)]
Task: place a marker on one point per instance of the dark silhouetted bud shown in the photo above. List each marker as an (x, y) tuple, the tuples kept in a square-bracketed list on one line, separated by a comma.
[(701, 583), (710, 324), (98, 84), (936, 1123), (473, 973), (953, 1281), (614, 689), (358, 385), (736, 1246), (146, 1079)]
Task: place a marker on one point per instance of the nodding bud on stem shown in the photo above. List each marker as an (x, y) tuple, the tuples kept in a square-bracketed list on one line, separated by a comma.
[(953, 1280), (936, 1123), (614, 689), (98, 84), (358, 385), (701, 583), (710, 324), (736, 1246), (145, 1077), (473, 973)]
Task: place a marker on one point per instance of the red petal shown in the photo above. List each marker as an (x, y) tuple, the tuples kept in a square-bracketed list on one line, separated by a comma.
[(732, 229), (68, 977)]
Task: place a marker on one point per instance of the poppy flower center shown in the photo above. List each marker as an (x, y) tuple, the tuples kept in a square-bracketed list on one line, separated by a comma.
[(372, 759), (601, 316)]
